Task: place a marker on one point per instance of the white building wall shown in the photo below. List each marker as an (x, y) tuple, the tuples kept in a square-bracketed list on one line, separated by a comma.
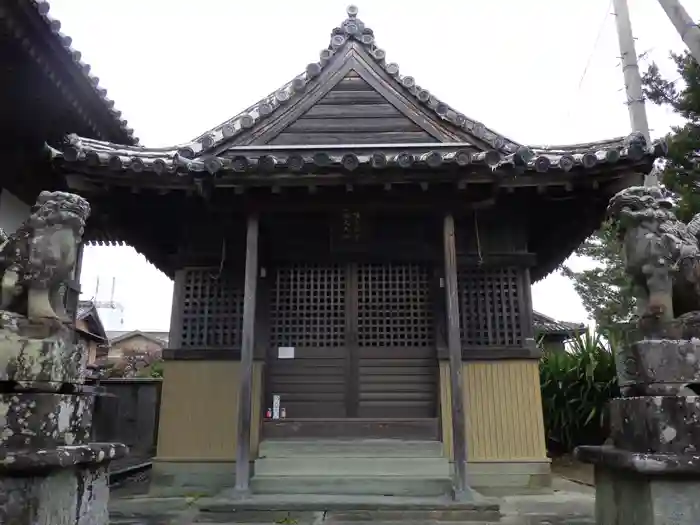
[(13, 211)]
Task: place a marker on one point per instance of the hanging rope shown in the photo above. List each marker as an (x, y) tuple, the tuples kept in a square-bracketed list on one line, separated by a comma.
[(217, 275), (480, 259)]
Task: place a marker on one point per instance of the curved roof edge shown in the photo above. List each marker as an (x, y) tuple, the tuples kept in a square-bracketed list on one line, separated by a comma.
[(351, 30), (167, 161), (37, 13)]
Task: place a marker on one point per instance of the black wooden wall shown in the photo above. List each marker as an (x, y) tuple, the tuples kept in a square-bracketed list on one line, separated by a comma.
[(493, 275), (352, 113)]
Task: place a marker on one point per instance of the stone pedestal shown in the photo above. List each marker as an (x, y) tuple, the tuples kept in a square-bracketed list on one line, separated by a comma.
[(62, 486), (49, 472), (635, 488), (649, 472)]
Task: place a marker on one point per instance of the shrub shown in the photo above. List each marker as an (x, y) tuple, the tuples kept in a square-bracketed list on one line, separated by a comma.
[(576, 386)]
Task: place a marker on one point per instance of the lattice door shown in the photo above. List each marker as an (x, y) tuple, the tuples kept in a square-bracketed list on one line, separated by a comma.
[(308, 314), (490, 307), (212, 309), (396, 353)]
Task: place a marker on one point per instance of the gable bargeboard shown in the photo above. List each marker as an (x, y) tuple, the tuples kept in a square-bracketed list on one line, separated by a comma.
[(352, 100)]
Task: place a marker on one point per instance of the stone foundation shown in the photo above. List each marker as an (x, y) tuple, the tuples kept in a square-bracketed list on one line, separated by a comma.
[(207, 478), (644, 489), (625, 498), (49, 472), (649, 474), (63, 486), (63, 497)]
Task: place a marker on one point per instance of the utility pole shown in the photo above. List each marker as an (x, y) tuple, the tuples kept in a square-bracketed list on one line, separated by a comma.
[(633, 79), (689, 30)]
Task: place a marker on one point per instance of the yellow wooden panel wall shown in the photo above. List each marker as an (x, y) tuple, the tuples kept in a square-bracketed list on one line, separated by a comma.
[(199, 411), (503, 406)]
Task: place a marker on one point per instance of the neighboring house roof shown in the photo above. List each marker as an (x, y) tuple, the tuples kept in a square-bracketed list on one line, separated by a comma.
[(160, 338), (546, 325), (88, 313), (29, 21)]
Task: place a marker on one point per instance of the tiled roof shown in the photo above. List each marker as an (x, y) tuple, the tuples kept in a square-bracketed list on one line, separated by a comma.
[(546, 324), (120, 335), (39, 9), (198, 155), (352, 30), (84, 309), (87, 312), (265, 159)]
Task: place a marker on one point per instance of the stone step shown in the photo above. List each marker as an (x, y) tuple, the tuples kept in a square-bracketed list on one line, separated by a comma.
[(358, 466), (368, 448), (406, 486), (399, 517)]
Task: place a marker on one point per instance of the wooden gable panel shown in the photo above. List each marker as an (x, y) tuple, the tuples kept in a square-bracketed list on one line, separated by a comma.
[(353, 112)]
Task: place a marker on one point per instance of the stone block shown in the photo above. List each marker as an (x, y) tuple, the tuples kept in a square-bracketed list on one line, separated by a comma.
[(173, 478), (33, 352), (659, 366), (41, 420), (656, 424), (686, 466), (42, 461), (625, 498), (76, 496)]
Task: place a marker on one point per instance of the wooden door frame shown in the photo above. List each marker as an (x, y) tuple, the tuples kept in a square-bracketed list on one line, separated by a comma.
[(352, 373), (351, 334)]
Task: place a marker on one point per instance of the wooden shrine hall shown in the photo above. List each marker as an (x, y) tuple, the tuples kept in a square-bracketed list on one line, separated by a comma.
[(353, 261)]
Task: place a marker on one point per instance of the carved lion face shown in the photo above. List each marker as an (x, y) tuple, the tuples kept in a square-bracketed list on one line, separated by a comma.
[(639, 198), (50, 202), (58, 207)]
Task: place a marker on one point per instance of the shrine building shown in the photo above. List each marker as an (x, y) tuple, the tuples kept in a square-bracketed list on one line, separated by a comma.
[(333, 248)]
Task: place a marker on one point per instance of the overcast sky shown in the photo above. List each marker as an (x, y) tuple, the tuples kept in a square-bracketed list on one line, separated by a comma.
[(537, 71)]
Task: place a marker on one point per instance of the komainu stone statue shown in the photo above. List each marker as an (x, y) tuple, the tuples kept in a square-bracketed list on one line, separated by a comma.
[(661, 253), (648, 473), (37, 260), (50, 472)]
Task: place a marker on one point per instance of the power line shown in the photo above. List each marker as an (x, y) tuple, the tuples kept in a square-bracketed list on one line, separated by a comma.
[(595, 46), (608, 11)]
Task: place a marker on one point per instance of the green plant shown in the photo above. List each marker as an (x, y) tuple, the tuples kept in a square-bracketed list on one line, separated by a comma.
[(576, 386)]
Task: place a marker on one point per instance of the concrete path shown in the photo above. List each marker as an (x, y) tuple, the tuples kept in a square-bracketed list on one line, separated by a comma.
[(570, 504)]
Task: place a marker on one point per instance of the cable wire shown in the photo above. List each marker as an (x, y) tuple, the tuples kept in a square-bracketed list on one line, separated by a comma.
[(608, 11)]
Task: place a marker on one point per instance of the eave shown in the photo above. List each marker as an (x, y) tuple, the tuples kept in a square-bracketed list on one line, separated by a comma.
[(29, 22), (113, 164)]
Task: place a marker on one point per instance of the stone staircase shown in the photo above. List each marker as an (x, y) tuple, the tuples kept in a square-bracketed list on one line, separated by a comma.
[(380, 467)]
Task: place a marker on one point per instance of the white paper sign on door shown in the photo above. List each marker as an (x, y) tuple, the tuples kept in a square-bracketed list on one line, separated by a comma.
[(285, 352), (276, 406)]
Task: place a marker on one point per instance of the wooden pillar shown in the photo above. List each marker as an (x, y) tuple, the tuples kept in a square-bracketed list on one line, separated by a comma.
[(176, 310), (454, 344), (528, 323), (247, 350)]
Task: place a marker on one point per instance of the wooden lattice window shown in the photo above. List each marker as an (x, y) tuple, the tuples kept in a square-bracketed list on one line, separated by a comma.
[(212, 309), (308, 306), (490, 307), (394, 307)]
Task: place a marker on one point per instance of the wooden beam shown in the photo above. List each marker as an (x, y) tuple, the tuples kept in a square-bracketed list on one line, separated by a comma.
[(72, 300), (454, 344), (526, 315), (247, 349)]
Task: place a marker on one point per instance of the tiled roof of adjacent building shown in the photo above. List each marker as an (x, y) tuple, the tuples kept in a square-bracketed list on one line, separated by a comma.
[(63, 59), (548, 325)]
